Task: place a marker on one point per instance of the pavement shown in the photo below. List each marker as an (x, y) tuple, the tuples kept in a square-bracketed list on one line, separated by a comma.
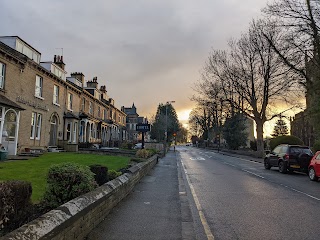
[(157, 208)]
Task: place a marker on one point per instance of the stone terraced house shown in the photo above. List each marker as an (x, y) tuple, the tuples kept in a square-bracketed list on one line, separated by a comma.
[(41, 108)]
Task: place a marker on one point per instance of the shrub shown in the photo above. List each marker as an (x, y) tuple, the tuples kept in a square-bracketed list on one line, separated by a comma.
[(126, 145), (152, 151), (253, 145), (15, 204), (288, 139), (67, 181), (316, 146), (143, 153), (101, 173), (112, 174)]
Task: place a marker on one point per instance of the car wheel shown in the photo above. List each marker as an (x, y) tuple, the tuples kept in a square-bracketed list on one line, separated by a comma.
[(282, 167), (312, 174), (267, 164)]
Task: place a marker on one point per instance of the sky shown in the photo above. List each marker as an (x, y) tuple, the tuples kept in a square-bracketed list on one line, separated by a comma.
[(146, 52)]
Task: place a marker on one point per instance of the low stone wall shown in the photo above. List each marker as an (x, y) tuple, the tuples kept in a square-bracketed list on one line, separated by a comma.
[(76, 218), (113, 152), (157, 146)]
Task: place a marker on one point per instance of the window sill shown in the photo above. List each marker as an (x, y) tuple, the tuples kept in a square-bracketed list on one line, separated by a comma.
[(39, 97), (56, 104)]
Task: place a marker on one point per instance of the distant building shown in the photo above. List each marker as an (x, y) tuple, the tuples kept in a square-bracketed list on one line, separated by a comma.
[(132, 120), (301, 128), (301, 125), (249, 130)]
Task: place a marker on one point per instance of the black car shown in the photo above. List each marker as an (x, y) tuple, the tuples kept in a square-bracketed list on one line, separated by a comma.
[(289, 158)]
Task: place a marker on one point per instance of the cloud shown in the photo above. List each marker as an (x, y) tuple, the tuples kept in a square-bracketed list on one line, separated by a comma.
[(144, 51)]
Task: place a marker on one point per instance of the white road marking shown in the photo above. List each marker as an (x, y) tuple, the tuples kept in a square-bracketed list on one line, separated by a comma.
[(293, 189), (203, 219), (197, 159), (257, 175), (306, 194), (229, 164)]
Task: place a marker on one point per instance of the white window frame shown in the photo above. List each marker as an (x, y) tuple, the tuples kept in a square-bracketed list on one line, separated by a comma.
[(33, 124), (68, 130), (90, 108), (56, 91), (36, 122), (39, 87), (2, 74), (70, 101), (38, 126), (75, 127)]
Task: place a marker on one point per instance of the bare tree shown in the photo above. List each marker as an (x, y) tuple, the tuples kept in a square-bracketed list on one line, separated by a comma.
[(251, 74), (210, 110), (300, 43), (200, 121)]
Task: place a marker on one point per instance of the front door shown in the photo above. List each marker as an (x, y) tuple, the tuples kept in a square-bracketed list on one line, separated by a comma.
[(53, 131), (10, 131)]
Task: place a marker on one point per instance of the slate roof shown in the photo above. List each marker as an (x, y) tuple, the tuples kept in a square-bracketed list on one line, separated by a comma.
[(13, 52)]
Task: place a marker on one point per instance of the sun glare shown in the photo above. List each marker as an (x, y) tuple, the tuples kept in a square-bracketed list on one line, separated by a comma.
[(183, 116)]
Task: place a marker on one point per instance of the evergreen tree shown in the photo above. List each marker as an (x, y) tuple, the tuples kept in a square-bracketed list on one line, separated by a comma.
[(234, 131), (280, 129), (165, 119)]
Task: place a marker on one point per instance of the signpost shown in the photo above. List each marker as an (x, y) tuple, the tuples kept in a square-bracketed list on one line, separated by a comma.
[(143, 128)]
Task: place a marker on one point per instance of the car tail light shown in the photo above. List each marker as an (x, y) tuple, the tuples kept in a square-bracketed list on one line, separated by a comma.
[(286, 157)]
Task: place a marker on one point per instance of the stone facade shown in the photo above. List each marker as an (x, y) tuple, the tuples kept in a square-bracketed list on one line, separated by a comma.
[(41, 107)]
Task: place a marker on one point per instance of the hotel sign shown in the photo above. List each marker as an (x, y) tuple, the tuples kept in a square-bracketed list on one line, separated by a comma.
[(32, 104), (143, 127)]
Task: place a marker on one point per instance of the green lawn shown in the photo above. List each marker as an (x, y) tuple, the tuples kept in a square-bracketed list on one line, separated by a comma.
[(35, 170)]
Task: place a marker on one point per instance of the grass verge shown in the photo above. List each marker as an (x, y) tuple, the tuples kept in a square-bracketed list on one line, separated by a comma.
[(35, 170)]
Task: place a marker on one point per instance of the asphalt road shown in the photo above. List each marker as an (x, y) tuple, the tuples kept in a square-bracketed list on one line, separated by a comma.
[(235, 198)]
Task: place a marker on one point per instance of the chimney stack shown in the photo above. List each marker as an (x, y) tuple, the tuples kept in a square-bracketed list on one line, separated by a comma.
[(59, 61), (93, 83), (79, 76)]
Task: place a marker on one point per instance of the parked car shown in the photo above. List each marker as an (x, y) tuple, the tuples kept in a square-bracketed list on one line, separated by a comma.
[(138, 146), (314, 167), (289, 158)]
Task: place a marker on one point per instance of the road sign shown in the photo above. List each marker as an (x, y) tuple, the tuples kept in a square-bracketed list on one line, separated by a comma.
[(143, 127)]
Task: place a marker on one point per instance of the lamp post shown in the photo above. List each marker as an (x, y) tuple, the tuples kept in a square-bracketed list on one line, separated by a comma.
[(166, 133)]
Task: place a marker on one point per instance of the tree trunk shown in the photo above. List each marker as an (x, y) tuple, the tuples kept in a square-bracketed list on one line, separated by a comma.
[(260, 145)]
